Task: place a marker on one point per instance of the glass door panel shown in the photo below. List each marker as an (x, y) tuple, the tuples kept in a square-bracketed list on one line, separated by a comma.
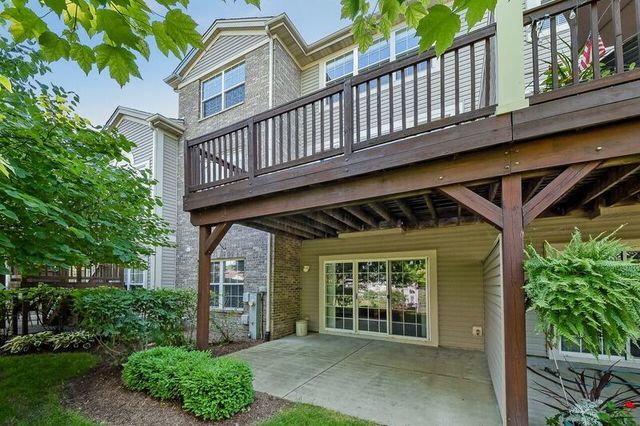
[(409, 304), (339, 295), (372, 296)]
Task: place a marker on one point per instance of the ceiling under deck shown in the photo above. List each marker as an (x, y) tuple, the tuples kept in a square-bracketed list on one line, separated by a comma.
[(603, 187)]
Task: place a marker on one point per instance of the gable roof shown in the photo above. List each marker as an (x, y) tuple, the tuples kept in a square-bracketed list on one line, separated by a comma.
[(171, 125), (279, 26)]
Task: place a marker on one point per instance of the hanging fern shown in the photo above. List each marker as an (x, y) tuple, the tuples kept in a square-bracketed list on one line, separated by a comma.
[(586, 292)]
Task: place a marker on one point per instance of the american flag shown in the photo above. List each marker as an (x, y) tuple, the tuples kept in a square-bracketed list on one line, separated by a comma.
[(587, 56)]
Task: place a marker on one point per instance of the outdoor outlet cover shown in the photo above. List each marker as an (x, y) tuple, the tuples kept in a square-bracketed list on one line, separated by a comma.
[(477, 331)]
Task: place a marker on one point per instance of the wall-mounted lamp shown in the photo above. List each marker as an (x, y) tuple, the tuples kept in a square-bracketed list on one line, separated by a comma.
[(305, 268)]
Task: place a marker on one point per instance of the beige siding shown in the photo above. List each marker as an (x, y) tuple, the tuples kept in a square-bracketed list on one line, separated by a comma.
[(310, 80), (221, 51), (460, 251), (494, 322), (170, 206)]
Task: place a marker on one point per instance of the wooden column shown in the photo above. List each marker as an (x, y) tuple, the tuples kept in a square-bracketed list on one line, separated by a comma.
[(209, 240), (515, 357)]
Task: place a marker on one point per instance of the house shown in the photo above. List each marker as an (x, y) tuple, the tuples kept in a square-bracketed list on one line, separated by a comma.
[(156, 150), (398, 189)]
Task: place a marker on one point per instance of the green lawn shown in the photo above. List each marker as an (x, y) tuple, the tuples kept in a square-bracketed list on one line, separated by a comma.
[(310, 415), (30, 387)]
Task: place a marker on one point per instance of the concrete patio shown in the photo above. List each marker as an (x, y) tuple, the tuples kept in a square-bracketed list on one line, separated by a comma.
[(388, 383)]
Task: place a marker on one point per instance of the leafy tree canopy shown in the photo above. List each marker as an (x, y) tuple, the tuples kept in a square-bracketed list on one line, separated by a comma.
[(113, 34), (71, 197)]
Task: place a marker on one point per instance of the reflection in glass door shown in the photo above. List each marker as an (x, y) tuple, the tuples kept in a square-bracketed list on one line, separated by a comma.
[(409, 309), (339, 295), (372, 296)]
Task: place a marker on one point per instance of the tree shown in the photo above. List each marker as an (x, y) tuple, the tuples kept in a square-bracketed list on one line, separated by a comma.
[(125, 25), (72, 198)]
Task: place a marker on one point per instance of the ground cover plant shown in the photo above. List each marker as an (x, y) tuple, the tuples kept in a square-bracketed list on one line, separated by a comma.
[(46, 340), (32, 385), (311, 415)]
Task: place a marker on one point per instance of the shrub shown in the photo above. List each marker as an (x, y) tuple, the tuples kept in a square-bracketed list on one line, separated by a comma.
[(158, 370), (48, 340), (217, 389), (124, 321)]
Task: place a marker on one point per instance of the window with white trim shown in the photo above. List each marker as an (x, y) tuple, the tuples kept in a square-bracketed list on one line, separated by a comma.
[(406, 41), (223, 90), (227, 283), (378, 53), (135, 278), (339, 67)]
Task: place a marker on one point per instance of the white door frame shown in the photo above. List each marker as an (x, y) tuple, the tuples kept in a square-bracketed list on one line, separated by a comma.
[(432, 294)]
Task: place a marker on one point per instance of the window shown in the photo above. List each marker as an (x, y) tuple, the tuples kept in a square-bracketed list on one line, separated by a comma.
[(135, 278), (339, 67), (376, 54), (544, 24), (227, 283), (223, 91), (406, 41)]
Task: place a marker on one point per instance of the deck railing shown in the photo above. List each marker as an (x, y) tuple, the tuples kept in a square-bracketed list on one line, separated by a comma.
[(403, 98), (422, 93), (558, 36), (78, 277)]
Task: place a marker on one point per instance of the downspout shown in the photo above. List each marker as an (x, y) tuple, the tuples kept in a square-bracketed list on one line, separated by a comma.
[(270, 66), (267, 334)]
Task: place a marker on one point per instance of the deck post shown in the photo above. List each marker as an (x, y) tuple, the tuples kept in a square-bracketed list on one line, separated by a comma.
[(515, 358), (509, 60), (209, 240)]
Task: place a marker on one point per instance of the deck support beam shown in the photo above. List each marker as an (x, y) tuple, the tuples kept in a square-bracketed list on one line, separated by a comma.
[(515, 353), (209, 240)]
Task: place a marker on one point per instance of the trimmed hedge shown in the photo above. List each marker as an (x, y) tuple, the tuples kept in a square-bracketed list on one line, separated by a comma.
[(210, 388), (157, 370), (217, 390)]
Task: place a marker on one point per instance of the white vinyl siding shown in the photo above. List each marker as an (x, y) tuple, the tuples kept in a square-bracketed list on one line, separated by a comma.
[(494, 322), (170, 207), (221, 51), (142, 135)]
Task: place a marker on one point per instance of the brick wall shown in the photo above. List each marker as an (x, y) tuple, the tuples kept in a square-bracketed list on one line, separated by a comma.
[(285, 286), (240, 242)]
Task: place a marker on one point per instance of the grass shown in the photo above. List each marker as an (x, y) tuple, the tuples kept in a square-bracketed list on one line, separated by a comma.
[(31, 386), (310, 415)]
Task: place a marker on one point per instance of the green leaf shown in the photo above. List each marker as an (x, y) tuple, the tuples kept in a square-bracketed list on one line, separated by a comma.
[(53, 47), (121, 62), (362, 32), (116, 27), (84, 56), (255, 3), (476, 10), (58, 6), (163, 41), (414, 12), (181, 29), (6, 84), (25, 24), (390, 9), (439, 27), (352, 8)]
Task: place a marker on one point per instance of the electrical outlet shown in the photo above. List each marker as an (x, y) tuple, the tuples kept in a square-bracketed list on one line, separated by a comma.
[(476, 331)]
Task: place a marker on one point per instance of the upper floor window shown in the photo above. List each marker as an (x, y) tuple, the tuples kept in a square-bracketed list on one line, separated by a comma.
[(227, 283), (340, 67), (223, 90), (406, 41), (378, 53)]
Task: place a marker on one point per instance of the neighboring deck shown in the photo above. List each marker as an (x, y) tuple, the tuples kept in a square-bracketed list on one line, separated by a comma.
[(432, 113)]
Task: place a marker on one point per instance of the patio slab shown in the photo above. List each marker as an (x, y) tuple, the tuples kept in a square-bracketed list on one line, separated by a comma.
[(389, 383)]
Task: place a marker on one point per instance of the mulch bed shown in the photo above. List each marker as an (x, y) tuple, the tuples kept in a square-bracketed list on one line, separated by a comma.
[(227, 348), (101, 396)]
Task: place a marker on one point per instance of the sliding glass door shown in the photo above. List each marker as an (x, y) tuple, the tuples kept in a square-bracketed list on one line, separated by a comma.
[(387, 296), (372, 298)]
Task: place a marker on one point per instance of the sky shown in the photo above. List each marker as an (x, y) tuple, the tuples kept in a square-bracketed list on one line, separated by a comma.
[(100, 95)]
